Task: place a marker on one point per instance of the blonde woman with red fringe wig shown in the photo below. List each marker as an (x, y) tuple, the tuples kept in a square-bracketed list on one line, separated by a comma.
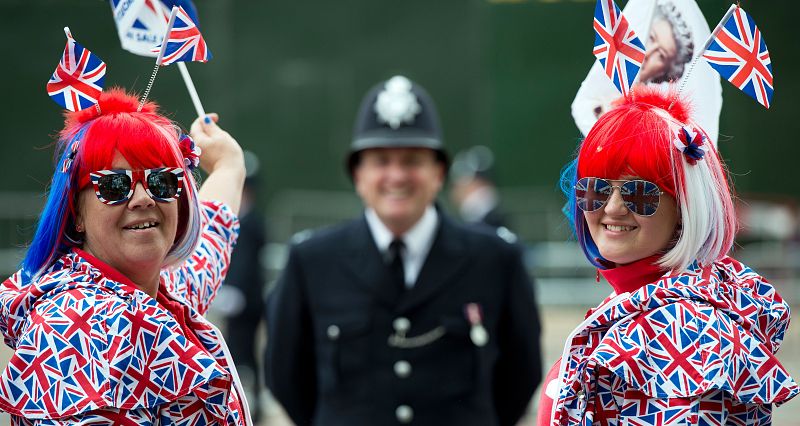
[(106, 315), (688, 335)]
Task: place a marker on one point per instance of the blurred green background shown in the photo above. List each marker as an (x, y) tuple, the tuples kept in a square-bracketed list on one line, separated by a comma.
[(287, 77)]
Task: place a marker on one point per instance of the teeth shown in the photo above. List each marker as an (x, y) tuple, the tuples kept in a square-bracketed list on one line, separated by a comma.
[(143, 225), (619, 228)]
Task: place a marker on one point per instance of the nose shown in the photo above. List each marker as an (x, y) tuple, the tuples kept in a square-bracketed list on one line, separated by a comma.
[(397, 170), (140, 198), (615, 206)]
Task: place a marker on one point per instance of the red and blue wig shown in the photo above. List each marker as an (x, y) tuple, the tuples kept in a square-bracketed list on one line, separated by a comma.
[(89, 142), (637, 138)]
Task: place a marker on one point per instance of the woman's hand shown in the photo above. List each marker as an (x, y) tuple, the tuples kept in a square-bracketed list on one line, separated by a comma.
[(222, 159)]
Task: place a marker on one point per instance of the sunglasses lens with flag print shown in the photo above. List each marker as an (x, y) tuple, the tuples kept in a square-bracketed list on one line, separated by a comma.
[(640, 196), (116, 186)]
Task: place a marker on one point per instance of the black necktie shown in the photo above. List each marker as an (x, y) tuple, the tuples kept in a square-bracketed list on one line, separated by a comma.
[(396, 271)]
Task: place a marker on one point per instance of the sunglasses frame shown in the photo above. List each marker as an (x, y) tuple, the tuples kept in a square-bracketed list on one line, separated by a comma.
[(620, 188), (135, 177)]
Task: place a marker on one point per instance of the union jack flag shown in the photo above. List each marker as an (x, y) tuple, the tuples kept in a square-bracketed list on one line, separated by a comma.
[(591, 193), (738, 53), (78, 80), (183, 42), (141, 24), (616, 46)]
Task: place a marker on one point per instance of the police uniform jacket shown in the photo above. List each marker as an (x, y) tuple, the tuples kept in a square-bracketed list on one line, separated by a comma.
[(347, 348)]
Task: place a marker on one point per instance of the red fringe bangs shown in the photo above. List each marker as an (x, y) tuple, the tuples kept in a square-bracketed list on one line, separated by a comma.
[(633, 139), (145, 138)]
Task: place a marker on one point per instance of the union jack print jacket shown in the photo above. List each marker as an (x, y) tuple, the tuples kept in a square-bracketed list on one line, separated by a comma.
[(692, 349), (90, 348)]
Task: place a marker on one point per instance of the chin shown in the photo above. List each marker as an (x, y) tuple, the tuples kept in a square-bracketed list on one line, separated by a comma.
[(146, 257)]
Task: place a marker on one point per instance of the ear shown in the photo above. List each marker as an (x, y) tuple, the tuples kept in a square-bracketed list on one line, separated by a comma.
[(80, 224)]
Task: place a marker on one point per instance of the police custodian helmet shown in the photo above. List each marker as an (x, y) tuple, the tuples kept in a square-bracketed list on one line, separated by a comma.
[(397, 113)]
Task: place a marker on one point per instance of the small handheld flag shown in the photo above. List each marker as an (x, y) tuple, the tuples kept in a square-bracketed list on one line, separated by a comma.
[(78, 80), (616, 46), (183, 42), (737, 51), (141, 24)]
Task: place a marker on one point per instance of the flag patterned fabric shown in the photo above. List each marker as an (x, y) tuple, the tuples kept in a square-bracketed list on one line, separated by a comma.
[(184, 43), (692, 349), (78, 80), (90, 348), (616, 46), (739, 53)]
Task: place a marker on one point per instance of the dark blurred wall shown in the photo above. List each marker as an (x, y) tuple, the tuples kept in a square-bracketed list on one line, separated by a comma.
[(287, 77)]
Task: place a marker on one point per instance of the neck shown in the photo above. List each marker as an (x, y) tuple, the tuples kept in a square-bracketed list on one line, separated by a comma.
[(147, 283), (144, 279), (633, 276)]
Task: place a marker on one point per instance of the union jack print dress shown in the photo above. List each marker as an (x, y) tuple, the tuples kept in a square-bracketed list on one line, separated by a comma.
[(90, 348), (693, 349)]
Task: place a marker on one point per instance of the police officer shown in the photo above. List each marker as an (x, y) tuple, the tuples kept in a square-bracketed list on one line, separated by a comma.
[(401, 316)]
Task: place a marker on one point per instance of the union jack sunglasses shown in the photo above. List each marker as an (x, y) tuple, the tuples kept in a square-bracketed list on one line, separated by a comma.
[(113, 187), (641, 197)]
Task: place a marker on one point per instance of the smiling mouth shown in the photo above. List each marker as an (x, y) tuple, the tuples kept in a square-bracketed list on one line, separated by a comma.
[(618, 228), (143, 225)]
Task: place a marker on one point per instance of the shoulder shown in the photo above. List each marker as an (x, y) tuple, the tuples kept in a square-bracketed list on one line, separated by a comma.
[(484, 239), (321, 240), (218, 215)]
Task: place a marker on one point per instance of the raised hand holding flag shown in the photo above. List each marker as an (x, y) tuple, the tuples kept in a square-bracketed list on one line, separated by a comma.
[(737, 51), (616, 46), (78, 80)]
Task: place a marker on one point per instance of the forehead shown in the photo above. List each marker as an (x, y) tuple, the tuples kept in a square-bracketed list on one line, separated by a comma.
[(399, 153), (662, 30), (119, 162)]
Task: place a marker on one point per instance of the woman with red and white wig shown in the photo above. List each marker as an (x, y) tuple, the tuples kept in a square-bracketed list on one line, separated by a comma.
[(106, 315), (689, 335)]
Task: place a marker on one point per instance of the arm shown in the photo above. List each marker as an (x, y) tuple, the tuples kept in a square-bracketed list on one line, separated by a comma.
[(289, 362), (222, 159), (518, 369)]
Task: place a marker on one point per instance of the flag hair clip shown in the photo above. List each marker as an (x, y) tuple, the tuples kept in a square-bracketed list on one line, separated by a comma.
[(690, 141), (191, 152), (69, 157)]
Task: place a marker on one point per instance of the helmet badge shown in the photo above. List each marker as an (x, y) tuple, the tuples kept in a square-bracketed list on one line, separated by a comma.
[(397, 104)]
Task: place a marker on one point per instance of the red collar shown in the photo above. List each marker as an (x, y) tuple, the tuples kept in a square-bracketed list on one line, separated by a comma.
[(633, 276)]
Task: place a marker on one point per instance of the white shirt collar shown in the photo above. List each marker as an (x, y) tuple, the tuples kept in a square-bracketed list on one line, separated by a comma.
[(418, 240)]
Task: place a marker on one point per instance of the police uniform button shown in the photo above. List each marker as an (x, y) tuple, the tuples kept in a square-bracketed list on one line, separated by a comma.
[(404, 414), (402, 369), (401, 324), (333, 332)]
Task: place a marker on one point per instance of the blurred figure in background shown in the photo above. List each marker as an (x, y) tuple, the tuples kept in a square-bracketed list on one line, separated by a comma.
[(241, 298), (402, 315), (473, 190)]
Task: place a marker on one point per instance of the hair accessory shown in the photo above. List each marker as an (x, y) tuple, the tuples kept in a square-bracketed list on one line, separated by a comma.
[(78, 79), (689, 141), (191, 152), (70, 156)]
